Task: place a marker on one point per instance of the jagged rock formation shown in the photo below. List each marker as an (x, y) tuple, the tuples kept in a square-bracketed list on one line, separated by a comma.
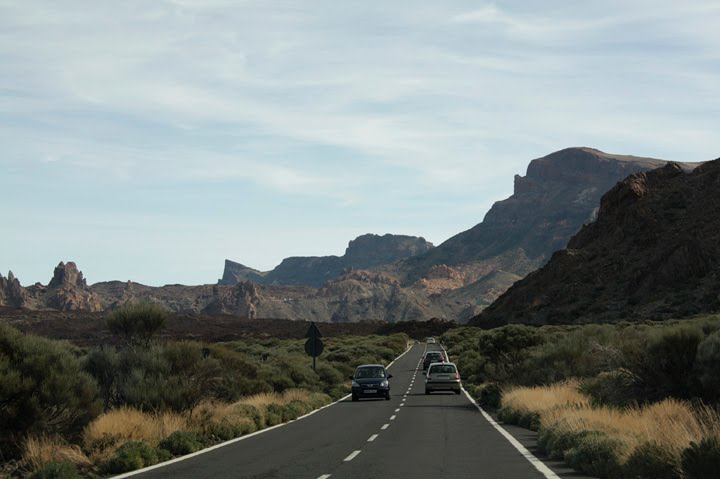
[(12, 293), (235, 273), (559, 194), (653, 253), (355, 296), (68, 290), (363, 252)]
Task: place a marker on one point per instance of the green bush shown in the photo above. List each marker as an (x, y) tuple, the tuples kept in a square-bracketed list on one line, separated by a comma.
[(137, 323), (44, 390), (56, 470), (652, 461), (131, 456), (667, 368), (251, 412), (595, 454), (702, 460), (180, 443), (489, 395), (611, 388), (708, 358)]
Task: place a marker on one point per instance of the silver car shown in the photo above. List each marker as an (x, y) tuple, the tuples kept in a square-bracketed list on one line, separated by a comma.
[(442, 377)]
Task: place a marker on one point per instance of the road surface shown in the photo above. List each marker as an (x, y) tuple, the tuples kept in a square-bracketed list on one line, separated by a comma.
[(413, 435)]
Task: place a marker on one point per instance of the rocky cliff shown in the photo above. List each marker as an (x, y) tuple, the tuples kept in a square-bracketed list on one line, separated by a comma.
[(363, 252), (12, 294), (559, 193), (653, 253), (68, 290)]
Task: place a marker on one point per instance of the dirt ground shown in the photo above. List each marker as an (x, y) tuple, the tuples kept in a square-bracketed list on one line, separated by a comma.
[(88, 329)]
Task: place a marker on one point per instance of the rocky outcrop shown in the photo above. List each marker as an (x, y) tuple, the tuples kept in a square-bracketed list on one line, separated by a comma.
[(235, 273), (68, 291), (653, 253), (559, 193), (12, 294), (363, 252)]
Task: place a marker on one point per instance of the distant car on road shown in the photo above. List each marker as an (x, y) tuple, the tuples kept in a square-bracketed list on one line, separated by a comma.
[(442, 377), (433, 357), (370, 380), (430, 341)]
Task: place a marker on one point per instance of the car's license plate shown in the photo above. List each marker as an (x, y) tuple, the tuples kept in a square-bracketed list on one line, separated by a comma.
[(370, 391), (443, 376)]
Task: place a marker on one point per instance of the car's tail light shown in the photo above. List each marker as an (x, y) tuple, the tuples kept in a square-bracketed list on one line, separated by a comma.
[(457, 376)]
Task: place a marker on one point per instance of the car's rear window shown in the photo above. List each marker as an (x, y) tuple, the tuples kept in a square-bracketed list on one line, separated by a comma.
[(370, 372), (442, 369), (434, 355)]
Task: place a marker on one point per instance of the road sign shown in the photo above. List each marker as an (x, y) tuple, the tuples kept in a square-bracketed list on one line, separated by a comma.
[(314, 345), (313, 331)]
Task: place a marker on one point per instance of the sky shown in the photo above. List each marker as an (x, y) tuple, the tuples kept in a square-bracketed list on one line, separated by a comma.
[(151, 140)]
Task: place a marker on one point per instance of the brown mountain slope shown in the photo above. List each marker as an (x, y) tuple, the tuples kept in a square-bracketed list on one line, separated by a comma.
[(559, 194), (654, 252)]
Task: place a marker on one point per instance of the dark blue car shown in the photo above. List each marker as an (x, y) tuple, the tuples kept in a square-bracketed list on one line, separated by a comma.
[(370, 380)]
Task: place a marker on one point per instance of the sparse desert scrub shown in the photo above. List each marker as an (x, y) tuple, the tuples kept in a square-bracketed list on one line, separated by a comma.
[(646, 441)]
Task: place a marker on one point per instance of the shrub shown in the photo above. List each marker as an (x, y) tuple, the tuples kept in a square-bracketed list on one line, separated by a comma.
[(667, 368), (137, 323), (131, 456), (489, 395), (652, 461), (708, 357), (611, 388), (57, 470), (44, 390), (181, 442), (596, 454), (702, 460)]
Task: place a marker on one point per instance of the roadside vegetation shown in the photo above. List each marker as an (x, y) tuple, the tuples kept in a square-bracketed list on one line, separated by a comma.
[(70, 412), (628, 400)]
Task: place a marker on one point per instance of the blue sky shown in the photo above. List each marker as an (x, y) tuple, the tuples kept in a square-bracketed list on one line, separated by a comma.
[(150, 140)]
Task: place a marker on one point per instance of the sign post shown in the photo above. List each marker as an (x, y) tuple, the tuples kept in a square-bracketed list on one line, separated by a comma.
[(314, 345)]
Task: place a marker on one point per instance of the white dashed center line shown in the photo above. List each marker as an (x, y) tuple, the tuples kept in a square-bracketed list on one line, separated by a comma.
[(392, 418), (385, 426), (397, 410), (352, 456), (373, 437), (324, 476)]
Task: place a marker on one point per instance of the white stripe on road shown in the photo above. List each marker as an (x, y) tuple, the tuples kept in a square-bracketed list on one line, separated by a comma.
[(352, 456), (385, 426), (397, 410), (539, 465), (392, 418), (373, 437), (324, 476)]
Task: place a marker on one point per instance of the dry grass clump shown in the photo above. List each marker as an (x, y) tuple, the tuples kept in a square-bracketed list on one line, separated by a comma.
[(39, 451), (603, 440), (128, 424), (544, 398)]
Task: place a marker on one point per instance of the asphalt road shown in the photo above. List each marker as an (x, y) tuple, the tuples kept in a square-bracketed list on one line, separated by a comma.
[(412, 435)]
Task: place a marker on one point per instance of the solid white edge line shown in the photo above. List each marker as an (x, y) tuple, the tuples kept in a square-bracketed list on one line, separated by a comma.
[(241, 438), (537, 463), (373, 437), (351, 456)]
